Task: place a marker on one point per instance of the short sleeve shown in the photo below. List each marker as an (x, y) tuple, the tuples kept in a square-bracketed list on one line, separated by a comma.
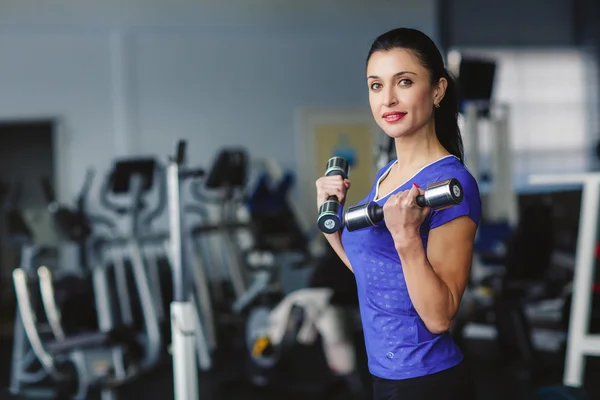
[(470, 206)]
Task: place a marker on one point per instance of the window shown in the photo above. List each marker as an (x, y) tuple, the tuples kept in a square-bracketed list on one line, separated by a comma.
[(551, 95)]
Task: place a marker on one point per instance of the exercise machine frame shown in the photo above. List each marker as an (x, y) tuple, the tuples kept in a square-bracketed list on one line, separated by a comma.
[(187, 330), (580, 343)]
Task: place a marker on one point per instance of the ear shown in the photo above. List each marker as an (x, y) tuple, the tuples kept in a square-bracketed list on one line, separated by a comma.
[(439, 90)]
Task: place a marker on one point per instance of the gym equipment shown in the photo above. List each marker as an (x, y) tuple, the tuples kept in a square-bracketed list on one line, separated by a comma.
[(330, 212), (486, 131), (229, 171), (73, 224), (283, 327), (16, 224), (133, 178), (72, 290), (274, 223), (20, 234), (77, 365), (101, 359), (476, 82), (438, 195), (279, 243), (580, 343), (222, 188), (560, 393), (186, 327), (218, 265)]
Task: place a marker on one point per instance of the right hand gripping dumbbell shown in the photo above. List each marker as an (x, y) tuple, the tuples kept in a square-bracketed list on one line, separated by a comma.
[(331, 211), (437, 196)]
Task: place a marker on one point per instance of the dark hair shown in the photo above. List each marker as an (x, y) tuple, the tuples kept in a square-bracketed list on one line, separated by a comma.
[(421, 45)]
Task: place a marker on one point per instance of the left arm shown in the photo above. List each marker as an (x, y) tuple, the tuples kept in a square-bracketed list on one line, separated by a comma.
[(437, 280)]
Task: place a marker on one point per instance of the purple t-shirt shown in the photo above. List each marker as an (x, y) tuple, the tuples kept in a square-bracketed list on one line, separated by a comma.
[(398, 344)]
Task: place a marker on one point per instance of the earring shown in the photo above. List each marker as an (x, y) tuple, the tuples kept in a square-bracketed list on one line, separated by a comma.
[(437, 105)]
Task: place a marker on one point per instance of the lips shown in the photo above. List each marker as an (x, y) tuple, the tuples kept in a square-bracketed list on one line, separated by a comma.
[(393, 116)]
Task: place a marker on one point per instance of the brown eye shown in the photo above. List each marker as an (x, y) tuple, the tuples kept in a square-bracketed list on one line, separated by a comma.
[(375, 86), (405, 82)]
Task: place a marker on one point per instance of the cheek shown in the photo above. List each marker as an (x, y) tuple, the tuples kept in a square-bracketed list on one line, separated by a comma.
[(374, 103), (422, 100), (420, 103)]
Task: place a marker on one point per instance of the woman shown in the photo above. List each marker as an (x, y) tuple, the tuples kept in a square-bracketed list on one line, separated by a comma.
[(412, 270)]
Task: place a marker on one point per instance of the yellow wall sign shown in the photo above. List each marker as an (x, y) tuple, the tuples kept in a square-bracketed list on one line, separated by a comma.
[(354, 142)]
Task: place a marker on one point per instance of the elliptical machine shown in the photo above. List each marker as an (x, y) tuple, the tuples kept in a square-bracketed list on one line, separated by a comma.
[(132, 179), (219, 265), (71, 365), (221, 192)]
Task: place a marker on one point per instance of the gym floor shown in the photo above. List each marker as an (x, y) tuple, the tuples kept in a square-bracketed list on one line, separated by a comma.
[(494, 379)]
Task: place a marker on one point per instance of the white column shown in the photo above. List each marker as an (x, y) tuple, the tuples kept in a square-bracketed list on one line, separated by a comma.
[(120, 96)]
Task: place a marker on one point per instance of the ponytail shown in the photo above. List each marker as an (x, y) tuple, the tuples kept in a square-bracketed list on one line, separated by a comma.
[(446, 120)]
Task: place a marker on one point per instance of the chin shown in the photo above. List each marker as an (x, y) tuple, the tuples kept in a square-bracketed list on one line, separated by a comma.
[(394, 130), (396, 133)]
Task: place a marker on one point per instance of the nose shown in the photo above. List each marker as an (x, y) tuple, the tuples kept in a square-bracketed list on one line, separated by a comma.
[(390, 98)]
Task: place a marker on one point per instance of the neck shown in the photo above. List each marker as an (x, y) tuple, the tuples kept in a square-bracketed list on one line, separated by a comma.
[(419, 148)]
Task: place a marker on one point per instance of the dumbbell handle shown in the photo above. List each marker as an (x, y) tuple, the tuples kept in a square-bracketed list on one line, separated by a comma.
[(377, 210)]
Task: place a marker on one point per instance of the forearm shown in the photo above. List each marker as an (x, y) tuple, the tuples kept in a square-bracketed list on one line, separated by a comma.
[(432, 298), (335, 241)]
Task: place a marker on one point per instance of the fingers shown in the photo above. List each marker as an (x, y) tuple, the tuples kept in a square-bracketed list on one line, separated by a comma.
[(404, 199), (412, 195), (331, 186), (417, 189), (396, 200)]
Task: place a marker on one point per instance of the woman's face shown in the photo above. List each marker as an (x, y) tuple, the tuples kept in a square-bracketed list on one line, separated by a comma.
[(400, 92)]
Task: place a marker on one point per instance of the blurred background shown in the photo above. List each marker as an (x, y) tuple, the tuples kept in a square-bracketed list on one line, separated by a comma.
[(95, 98)]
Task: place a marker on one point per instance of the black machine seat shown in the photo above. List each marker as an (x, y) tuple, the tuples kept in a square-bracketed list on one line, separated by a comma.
[(88, 340), (229, 170)]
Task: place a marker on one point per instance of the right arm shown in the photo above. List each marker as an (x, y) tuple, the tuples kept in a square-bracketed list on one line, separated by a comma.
[(328, 186), (335, 241)]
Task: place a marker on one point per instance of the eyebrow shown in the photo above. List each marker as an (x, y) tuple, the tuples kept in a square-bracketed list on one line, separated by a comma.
[(395, 75)]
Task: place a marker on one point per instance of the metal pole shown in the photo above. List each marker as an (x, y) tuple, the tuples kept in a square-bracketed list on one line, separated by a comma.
[(183, 313)]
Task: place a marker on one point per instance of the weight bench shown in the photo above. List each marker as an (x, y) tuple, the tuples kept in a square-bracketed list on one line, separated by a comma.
[(77, 364)]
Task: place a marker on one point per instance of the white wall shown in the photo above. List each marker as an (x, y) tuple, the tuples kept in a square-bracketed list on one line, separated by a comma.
[(132, 76), (64, 76)]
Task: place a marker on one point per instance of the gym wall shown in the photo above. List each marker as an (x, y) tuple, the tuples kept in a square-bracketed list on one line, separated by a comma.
[(131, 77), (512, 23)]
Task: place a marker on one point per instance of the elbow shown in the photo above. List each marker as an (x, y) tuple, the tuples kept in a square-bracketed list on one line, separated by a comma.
[(439, 325)]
